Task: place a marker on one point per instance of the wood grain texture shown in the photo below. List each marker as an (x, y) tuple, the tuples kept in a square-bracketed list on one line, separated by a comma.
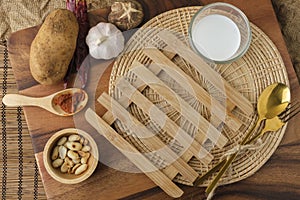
[(278, 179)]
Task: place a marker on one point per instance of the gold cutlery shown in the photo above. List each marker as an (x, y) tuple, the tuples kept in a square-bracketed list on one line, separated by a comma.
[(277, 122), (272, 101)]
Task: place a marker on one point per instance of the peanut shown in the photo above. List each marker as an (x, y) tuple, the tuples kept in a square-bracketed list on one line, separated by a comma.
[(85, 158), (82, 153), (69, 161), (57, 163), (85, 142), (81, 140), (62, 141), (81, 169), (62, 152), (75, 146), (54, 155), (64, 168), (74, 138), (73, 155), (74, 168), (86, 148), (76, 161)]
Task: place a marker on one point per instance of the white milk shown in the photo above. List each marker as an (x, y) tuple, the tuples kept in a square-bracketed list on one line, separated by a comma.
[(216, 37)]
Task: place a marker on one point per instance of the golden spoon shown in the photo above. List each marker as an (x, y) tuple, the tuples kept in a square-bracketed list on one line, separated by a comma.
[(47, 102), (272, 101)]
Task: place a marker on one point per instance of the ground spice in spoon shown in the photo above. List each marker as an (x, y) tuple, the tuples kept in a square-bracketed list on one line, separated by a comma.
[(69, 101)]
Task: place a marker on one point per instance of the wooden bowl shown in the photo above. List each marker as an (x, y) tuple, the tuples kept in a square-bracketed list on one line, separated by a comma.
[(69, 178)]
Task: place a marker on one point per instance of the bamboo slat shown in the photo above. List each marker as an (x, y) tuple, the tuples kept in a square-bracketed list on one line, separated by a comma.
[(133, 155)]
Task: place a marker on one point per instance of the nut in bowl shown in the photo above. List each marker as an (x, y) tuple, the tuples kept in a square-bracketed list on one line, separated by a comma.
[(70, 156), (220, 33)]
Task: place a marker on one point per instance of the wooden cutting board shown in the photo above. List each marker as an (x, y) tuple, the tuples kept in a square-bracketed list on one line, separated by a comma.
[(108, 183)]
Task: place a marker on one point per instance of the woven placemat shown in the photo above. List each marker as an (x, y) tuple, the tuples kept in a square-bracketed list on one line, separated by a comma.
[(19, 174), (18, 15), (259, 67)]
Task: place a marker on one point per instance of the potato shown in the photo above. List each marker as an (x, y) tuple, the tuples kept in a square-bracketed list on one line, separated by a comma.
[(53, 47)]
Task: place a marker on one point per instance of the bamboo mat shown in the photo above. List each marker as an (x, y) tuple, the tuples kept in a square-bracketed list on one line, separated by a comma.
[(19, 174)]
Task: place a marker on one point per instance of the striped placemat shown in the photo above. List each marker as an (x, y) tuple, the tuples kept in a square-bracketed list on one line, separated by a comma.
[(19, 173)]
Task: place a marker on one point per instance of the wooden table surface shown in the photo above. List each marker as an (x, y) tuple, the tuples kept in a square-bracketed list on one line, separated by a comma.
[(277, 179)]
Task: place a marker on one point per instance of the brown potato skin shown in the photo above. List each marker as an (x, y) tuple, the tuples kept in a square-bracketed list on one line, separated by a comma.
[(53, 47)]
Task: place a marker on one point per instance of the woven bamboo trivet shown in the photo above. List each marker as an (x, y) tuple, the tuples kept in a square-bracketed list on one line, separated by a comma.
[(19, 174), (259, 67)]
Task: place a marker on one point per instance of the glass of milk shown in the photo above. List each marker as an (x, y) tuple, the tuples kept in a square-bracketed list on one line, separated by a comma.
[(220, 33)]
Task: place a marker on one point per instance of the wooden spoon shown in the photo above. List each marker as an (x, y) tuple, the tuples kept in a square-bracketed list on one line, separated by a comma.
[(47, 102)]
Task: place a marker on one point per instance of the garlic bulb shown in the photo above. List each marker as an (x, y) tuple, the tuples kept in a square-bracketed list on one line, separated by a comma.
[(105, 41)]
